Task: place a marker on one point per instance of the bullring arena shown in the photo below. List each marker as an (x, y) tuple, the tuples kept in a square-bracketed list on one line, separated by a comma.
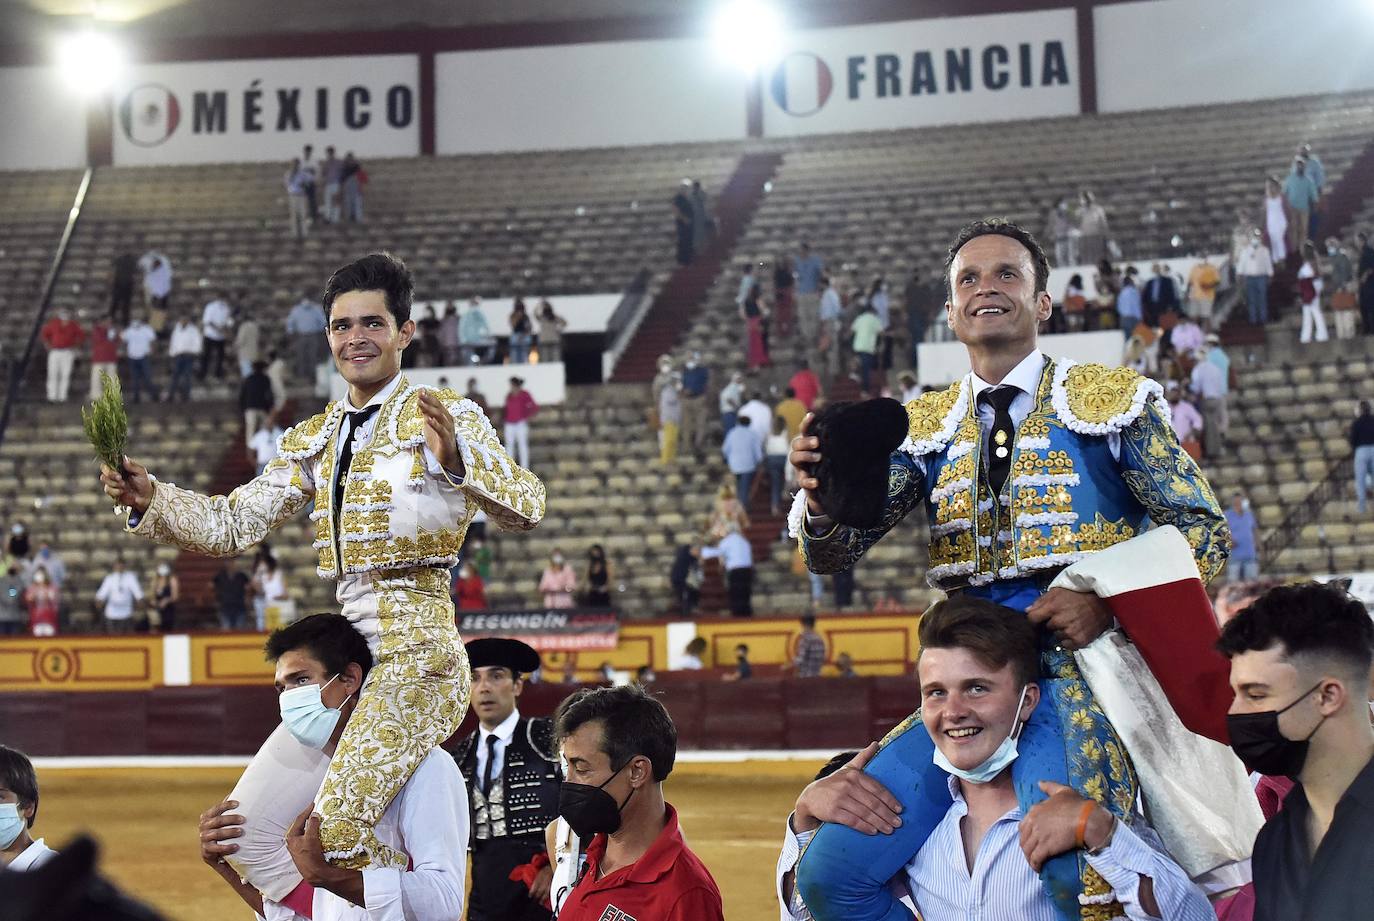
[(631, 224)]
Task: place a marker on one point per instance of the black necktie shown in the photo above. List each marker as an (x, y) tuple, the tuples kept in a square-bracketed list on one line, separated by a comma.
[(997, 447), (491, 759), (355, 421)]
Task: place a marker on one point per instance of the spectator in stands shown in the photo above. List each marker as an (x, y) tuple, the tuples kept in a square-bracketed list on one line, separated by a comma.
[(1276, 219), (669, 419), (684, 222), (760, 415), (231, 589), (305, 324), (784, 290), (844, 666), (310, 167), (216, 321), (247, 342), (810, 655), (1129, 310), (276, 373), (879, 300), (1060, 227), (1364, 277), (747, 281), (1254, 270), (1243, 564), (1310, 294), (475, 335), (744, 670), (558, 581), (61, 336), (1187, 337), (743, 450), (255, 400), (43, 597), (728, 509), (520, 408), (105, 341), (164, 591), (685, 579), (52, 562), (17, 545), (13, 605), (551, 327), (1203, 281), (138, 345), (1301, 194), (268, 585), (908, 389), (120, 592), (1362, 444), (703, 225), (1160, 295), (449, 340), (296, 181), (775, 449), (1208, 384), (864, 333), (20, 852), (184, 350), (737, 557), (157, 280), (805, 385), (599, 577), (696, 377), (1092, 229), (1341, 284), (691, 659), (809, 269), (521, 333), (1300, 663), (122, 287), (1186, 422), (1073, 307), (476, 396), (469, 592), (832, 328), (792, 410), (431, 352), (754, 313), (354, 178), (331, 174), (731, 397), (263, 444)]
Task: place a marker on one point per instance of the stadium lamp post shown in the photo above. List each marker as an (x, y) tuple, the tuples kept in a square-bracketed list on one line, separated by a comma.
[(90, 62), (748, 35)]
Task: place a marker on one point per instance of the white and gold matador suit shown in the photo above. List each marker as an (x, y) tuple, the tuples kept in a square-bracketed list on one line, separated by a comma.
[(390, 546)]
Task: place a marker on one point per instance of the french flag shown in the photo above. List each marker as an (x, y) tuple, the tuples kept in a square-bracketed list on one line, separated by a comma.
[(801, 83)]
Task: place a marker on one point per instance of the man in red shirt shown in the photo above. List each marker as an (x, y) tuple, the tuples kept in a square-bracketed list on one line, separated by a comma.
[(806, 385), (61, 335), (104, 355), (520, 408), (619, 745)]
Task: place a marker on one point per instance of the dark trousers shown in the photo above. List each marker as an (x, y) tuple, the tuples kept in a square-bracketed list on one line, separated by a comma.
[(684, 244), (843, 584), (141, 379), (495, 896), (120, 299), (1367, 309), (214, 352), (183, 367), (739, 583)]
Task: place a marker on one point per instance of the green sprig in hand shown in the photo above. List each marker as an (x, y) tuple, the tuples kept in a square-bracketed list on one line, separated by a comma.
[(107, 424)]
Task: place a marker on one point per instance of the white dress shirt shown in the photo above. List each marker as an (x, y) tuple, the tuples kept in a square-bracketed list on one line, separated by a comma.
[(138, 340), (217, 320), (185, 340), (503, 734), (119, 591), (362, 435), (428, 822), (734, 551), (32, 857)]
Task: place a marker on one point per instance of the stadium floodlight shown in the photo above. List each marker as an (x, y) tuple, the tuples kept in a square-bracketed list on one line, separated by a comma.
[(90, 62), (748, 34)]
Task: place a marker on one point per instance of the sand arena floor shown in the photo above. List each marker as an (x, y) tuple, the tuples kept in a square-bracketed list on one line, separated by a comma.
[(145, 820)]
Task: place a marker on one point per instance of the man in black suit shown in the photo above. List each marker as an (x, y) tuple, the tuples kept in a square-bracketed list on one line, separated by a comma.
[(1160, 295)]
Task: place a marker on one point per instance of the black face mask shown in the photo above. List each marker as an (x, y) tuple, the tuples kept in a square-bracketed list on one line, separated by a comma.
[(590, 810), (1257, 741)]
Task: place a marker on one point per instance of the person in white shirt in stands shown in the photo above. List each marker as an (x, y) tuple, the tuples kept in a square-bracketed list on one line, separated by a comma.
[(18, 809), (138, 345), (978, 667), (263, 444), (216, 321), (1208, 383), (157, 279), (184, 349), (120, 591), (321, 662), (738, 559)]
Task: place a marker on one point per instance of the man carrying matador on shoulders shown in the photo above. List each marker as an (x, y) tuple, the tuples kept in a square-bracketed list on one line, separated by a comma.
[(1057, 489), (395, 473)]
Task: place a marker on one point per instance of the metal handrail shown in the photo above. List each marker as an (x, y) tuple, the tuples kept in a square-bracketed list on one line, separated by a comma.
[(1307, 511)]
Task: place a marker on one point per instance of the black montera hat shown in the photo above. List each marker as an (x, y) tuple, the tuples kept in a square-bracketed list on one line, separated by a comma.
[(857, 441), (512, 654)]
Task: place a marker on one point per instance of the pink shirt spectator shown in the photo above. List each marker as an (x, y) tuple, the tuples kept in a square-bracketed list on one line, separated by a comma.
[(1187, 337), (520, 406), (557, 586), (1186, 420)]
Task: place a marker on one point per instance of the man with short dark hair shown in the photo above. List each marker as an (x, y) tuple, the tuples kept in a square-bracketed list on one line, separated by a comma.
[(510, 764), (1300, 667), (19, 850), (810, 657), (619, 744), (321, 665)]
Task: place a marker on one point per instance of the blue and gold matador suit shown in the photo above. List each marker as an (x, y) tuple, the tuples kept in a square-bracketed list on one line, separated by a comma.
[(1066, 496)]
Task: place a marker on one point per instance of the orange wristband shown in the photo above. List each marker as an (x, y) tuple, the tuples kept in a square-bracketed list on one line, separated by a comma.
[(1083, 817)]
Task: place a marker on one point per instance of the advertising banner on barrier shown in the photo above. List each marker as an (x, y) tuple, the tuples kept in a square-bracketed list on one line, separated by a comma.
[(927, 72), (254, 110), (597, 95), (564, 629)]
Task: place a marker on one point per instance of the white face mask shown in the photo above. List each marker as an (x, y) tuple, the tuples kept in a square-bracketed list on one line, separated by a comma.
[(164, 570), (306, 716), (997, 761)]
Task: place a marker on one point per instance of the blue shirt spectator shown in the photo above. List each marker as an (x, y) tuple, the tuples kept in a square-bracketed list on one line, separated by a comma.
[(743, 449), (1217, 356), (1299, 189), (734, 551), (307, 317), (472, 326), (808, 271), (1244, 561), (1128, 306)]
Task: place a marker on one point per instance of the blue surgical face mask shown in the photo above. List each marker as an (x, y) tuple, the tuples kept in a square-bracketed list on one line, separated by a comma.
[(11, 824), (997, 761), (306, 716)]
